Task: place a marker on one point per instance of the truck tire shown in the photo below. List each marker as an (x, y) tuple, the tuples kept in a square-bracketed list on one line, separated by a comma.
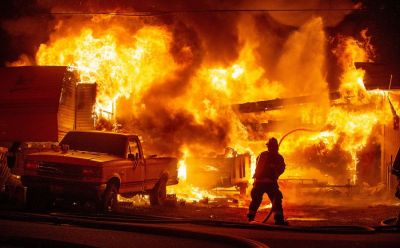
[(158, 195), (109, 203)]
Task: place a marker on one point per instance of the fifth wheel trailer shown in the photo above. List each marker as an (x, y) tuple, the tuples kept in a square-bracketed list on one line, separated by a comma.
[(39, 105)]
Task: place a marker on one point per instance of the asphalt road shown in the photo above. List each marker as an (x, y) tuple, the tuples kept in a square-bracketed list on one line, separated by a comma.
[(198, 225), (297, 215), (15, 232)]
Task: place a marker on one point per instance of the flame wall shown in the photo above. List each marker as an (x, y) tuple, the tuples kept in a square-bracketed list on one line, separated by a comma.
[(172, 78)]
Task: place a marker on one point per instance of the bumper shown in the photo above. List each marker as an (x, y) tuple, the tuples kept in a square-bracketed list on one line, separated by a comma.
[(66, 189)]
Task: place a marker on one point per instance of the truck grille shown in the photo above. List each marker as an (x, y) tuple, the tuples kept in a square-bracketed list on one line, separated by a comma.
[(60, 170)]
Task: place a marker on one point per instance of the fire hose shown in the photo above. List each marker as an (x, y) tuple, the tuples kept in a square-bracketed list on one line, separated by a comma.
[(296, 130), (279, 144), (119, 219)]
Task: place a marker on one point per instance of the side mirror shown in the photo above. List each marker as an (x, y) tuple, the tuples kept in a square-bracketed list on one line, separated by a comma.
[(133, 157)]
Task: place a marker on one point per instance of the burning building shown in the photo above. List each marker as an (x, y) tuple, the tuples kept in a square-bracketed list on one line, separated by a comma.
[(181, 78)]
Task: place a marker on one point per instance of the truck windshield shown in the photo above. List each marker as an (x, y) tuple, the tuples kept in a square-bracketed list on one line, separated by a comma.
[(110, 143)]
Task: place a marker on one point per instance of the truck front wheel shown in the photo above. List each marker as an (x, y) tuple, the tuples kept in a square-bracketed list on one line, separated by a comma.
[(158, 195), (109, 203)]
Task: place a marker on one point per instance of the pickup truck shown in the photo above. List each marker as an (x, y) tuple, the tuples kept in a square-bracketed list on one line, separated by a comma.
[(97, 166)]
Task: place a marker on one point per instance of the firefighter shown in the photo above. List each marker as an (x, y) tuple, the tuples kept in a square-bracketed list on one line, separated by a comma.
[(270, 165)]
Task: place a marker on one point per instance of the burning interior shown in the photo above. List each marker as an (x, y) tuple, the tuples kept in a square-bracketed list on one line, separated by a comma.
[(193, 84)]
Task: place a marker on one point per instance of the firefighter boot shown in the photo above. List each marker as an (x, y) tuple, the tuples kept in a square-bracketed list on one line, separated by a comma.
[(279, 220), (251, 215)]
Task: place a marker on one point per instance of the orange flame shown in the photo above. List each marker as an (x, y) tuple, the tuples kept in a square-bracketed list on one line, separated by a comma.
[(127, 63), (120, 68), (352, 119)]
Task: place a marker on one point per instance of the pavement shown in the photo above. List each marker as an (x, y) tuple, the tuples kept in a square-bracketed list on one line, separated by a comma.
[(296, 214)]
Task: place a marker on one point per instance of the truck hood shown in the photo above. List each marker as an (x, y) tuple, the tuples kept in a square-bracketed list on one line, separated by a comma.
[(73, 157)]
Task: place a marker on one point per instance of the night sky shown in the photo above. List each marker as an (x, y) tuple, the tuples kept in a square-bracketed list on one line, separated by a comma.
[(35, 23)]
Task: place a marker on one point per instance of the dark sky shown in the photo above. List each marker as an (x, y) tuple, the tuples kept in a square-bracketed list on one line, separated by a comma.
[(35, 23), (383, 21)]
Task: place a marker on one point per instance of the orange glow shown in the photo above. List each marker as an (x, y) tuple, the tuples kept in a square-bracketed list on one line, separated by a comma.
[(182, 167), (350, 122), (120, 68), (268, 206), (133, 62), (350, 51)]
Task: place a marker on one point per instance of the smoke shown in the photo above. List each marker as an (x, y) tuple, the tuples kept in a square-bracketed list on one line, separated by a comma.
[(165, 132), (304, 56), (29, 23), (333, 161), (300, 12), (24, 25), (285, 48)]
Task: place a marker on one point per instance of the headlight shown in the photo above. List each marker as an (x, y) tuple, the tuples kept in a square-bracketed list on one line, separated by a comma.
[(31, 165), (91, 172)]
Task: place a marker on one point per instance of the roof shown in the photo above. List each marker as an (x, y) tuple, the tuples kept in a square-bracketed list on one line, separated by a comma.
[(97, 141), (106, 132)]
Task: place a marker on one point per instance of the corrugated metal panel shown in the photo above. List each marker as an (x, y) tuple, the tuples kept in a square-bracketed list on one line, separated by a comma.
[(29, 102)]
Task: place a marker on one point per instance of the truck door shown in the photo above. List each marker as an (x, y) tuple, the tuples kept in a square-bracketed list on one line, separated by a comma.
[(135, 175)]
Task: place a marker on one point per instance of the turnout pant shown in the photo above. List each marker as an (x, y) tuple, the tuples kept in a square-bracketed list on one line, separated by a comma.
[(275, 196)]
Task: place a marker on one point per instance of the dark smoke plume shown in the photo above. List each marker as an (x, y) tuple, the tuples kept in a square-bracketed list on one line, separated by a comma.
[(209, 37), (24, 25), (333, 161)]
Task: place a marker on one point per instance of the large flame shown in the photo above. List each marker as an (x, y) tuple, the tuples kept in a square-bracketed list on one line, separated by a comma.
[(122, 64), (350, 121), (158, 83)]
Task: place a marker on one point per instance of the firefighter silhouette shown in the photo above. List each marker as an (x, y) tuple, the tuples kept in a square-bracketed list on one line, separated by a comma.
[(270, 165)]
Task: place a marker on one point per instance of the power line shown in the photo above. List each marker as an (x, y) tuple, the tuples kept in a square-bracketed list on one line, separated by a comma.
[(201, 11)]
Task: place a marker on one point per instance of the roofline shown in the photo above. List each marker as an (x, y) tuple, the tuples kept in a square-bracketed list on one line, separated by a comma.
[(106, 132)]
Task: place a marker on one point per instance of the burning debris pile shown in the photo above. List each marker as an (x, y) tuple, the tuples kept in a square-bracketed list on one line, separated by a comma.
[(172, 78)]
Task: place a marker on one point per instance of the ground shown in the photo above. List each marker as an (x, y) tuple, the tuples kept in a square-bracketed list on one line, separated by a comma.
[(352, 213), (316, 210)]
